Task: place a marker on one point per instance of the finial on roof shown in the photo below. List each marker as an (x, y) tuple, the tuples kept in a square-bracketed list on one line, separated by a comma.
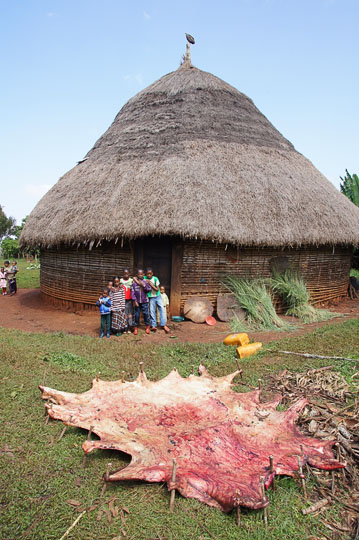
[(187, 56)]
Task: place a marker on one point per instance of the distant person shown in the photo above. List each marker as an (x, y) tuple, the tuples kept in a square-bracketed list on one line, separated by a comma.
[(139, 291), (104, 303), (109, 285), (11, 272), (118, 317), (127, 281), (155, 301), (3, 281)]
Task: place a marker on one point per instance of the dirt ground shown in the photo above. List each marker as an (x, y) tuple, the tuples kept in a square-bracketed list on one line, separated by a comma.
[(27, 311)]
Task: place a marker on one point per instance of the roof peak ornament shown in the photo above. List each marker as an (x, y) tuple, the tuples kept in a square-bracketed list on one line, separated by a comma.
[(186, 59)]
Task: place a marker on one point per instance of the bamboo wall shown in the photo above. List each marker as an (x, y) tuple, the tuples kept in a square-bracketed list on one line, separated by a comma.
[(324, 269), (74, 277)]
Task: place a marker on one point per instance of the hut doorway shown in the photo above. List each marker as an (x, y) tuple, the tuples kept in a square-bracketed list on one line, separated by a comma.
[(156, 253)]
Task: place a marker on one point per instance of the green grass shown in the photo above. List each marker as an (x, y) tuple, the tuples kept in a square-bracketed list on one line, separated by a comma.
[(37, 477), (27, 279)]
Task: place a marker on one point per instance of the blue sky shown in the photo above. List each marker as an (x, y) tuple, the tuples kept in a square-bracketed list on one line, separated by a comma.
[(68, 66)]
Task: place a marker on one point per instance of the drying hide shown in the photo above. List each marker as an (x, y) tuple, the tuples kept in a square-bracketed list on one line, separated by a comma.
[(221, 439)]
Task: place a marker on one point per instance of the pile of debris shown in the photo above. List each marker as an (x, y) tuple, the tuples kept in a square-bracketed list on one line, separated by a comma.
[(332, 413)]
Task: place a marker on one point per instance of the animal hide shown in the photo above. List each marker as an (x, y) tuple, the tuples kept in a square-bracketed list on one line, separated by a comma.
[(221, 439)]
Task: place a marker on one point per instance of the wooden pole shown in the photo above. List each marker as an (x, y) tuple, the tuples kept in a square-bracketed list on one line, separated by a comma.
[(85, 456), (302, 478), (173, 490), (105, 480), (192, 370), (271, 468), (141, 367), (98, 376), (64, 430), (259, 384), (123, 377), (239, 516), (265, 509)]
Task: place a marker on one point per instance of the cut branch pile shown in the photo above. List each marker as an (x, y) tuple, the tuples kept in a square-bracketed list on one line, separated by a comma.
[(332, 414)]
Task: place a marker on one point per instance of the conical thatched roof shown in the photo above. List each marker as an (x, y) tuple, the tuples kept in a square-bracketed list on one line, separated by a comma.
[(192, 156)]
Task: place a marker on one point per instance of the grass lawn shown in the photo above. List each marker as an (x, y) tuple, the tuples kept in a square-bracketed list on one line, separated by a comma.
[(39, 475), (27, 279)]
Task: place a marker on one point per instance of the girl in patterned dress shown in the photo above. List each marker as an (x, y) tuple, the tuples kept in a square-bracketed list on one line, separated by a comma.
[(118, 317)]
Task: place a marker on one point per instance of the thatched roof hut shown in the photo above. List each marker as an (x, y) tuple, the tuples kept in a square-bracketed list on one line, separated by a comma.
[(191, 157)]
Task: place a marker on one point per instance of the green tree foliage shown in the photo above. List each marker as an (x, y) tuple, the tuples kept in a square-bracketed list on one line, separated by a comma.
[(10, 248), (350, 186), (7, 224)]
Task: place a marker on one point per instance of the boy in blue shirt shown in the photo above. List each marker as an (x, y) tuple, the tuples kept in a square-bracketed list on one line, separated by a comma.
[(104, 303)]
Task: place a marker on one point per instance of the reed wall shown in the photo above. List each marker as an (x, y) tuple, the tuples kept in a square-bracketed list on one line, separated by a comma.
[(324, 269), (73, 277)]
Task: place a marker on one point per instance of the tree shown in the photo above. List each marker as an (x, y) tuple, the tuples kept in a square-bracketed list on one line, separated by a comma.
[(350, 186), (10, 248), (17, 230), (7, 224)]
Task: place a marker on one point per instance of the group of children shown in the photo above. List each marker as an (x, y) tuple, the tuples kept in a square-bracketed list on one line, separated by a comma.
[(8, 276), (123, 300)]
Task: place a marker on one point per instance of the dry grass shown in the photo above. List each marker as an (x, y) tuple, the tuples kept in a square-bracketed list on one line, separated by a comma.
[(215, 167)]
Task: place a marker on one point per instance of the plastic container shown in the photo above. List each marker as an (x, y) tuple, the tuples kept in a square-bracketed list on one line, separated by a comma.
[(237, 339), (248, 350), (177, 318), (211, 321)]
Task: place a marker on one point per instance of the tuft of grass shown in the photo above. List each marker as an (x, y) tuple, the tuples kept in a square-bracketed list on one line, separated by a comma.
[(354, 273), (71, 362), (254, 297), (292, 289)]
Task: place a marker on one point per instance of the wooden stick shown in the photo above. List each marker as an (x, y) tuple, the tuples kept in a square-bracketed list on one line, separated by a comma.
[(192, 370), (85, 456), (73, 525), (123, 377), (307, 355), (265, 510), (64, 430), (104, 487), (302, 479), (271, 468), (173, 491), (141, 367), (314, 507), (98, 376), (259, 384), (239, 516)]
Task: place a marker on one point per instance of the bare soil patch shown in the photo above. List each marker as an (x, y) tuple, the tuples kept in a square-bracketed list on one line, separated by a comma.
[(28, 312)]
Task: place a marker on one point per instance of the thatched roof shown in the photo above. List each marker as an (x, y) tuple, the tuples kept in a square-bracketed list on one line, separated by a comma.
[(192, 156)]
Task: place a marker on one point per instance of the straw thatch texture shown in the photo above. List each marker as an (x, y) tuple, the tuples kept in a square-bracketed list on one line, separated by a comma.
[(192, 156)]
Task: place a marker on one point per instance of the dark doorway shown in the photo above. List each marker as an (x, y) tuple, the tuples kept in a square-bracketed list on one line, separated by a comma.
[(155, 253)]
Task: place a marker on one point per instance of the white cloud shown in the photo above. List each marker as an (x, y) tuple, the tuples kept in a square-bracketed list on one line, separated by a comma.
[(37, 190), (52, 14), (146, 15)]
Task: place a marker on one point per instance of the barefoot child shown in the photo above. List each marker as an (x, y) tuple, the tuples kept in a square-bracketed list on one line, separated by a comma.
[(166, 304), (3, 281), (104, 303), (127, 281)]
